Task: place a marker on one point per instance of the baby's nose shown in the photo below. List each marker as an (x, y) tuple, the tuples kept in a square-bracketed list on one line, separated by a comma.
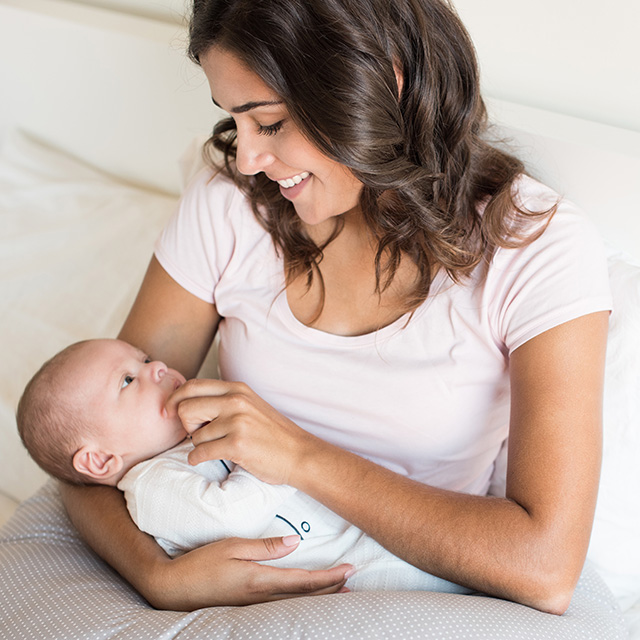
[(158, 370)]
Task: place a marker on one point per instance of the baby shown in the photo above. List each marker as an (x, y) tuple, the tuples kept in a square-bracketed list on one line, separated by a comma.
[(95, 413)]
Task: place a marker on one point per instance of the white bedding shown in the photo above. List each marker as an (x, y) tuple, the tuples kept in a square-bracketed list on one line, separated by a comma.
[(632, 621)]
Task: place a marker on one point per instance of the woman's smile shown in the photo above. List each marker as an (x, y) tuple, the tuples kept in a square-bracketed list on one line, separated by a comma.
[(291, 187)]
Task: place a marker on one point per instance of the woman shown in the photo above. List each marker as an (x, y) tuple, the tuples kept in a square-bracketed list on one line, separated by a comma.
[(387, 280)]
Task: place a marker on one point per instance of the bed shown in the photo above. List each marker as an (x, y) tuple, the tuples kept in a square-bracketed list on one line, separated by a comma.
[(101, 123)]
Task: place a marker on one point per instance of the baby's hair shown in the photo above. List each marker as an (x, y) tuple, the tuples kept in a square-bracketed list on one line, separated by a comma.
[(48, 423)]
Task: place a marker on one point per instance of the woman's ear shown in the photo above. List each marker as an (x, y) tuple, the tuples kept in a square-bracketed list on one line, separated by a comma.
[(101, 466)]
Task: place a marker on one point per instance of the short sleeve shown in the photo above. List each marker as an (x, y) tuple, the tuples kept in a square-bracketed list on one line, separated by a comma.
[(558, 277), (200, 238)]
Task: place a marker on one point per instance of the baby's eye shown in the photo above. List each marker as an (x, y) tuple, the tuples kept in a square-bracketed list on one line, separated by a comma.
[(147, 360), (127, 381)]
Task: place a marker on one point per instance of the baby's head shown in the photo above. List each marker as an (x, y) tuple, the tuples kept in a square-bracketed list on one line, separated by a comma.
[(96, 409)]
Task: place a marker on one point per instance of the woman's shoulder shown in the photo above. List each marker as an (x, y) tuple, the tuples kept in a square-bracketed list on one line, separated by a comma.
[(212, 201), (528, 192), (558, 274), (553, 219), (212, 226), (213, 189)]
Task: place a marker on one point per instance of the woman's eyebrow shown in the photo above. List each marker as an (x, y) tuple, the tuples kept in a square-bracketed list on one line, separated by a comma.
[(243, 108)]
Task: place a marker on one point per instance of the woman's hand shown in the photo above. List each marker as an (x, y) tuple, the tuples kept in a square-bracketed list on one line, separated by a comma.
[(228, 421), (225, 573)]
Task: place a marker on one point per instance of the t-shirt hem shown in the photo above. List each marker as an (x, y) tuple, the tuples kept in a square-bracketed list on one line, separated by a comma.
[(583, 308), (181, 278)]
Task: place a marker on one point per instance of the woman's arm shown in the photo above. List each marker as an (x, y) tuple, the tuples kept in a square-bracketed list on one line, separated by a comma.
[(174, 326), (529, 547), (169, 323)]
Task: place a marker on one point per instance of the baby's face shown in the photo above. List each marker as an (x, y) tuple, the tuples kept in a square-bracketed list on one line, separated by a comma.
[(124, 393)]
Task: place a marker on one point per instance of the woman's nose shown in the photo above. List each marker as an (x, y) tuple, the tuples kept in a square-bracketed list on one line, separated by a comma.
[(253, 153)]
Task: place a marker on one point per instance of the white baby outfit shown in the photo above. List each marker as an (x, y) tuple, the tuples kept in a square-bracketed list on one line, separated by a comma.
[(185, 507)]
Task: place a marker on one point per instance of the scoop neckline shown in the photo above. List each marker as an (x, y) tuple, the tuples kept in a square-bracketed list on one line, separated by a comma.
[(383, 334)]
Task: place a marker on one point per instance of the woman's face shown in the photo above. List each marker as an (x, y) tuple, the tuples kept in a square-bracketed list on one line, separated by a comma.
[(269, 141)]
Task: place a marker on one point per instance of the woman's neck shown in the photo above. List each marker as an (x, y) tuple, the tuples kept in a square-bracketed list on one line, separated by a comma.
[(344, 300)]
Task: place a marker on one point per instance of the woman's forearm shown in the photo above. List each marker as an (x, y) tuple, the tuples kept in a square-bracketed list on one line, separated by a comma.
[(489, 544), (100, 515), (529, 548)]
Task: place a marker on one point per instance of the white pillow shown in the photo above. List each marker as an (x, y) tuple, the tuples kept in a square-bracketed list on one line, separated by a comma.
[(73, 250), (615, 541)]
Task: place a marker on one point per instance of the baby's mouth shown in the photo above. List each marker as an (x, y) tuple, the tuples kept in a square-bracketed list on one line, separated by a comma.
[(178, 379)]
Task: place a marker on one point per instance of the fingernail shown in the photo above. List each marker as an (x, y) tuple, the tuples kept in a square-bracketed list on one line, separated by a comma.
[(291, 541), (344, 590), (349, 574)]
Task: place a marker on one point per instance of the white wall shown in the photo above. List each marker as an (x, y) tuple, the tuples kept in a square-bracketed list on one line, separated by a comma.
[(167, 10), (576, 57)]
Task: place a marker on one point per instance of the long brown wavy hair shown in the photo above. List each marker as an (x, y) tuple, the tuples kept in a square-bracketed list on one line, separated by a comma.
[(422, 156)]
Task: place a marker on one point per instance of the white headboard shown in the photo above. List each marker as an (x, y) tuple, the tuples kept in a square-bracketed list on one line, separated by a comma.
[(595, 165)]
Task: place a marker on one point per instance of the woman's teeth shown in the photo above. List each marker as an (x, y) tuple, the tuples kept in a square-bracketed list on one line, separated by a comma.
[(292, 182)]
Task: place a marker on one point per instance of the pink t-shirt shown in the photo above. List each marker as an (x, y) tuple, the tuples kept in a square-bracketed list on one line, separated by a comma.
[(428, 399)]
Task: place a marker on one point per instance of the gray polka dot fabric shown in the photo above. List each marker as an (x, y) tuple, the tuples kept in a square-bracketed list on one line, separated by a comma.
[(53, 587)]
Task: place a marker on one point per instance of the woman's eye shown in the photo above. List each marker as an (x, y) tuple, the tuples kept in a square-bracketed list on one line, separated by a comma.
[(127, 381), (270, 130)]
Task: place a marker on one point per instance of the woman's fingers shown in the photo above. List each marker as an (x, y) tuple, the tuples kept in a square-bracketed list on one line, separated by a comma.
[(197, 388), (199, 402), (227, 420), (226, 573), (209, 450), (296, 583), (266, 548), (290, 582), (221, 427), (198, 412), (274, 583)]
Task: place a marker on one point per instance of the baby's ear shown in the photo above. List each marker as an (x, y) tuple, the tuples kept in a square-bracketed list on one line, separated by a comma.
[(101, 466)]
